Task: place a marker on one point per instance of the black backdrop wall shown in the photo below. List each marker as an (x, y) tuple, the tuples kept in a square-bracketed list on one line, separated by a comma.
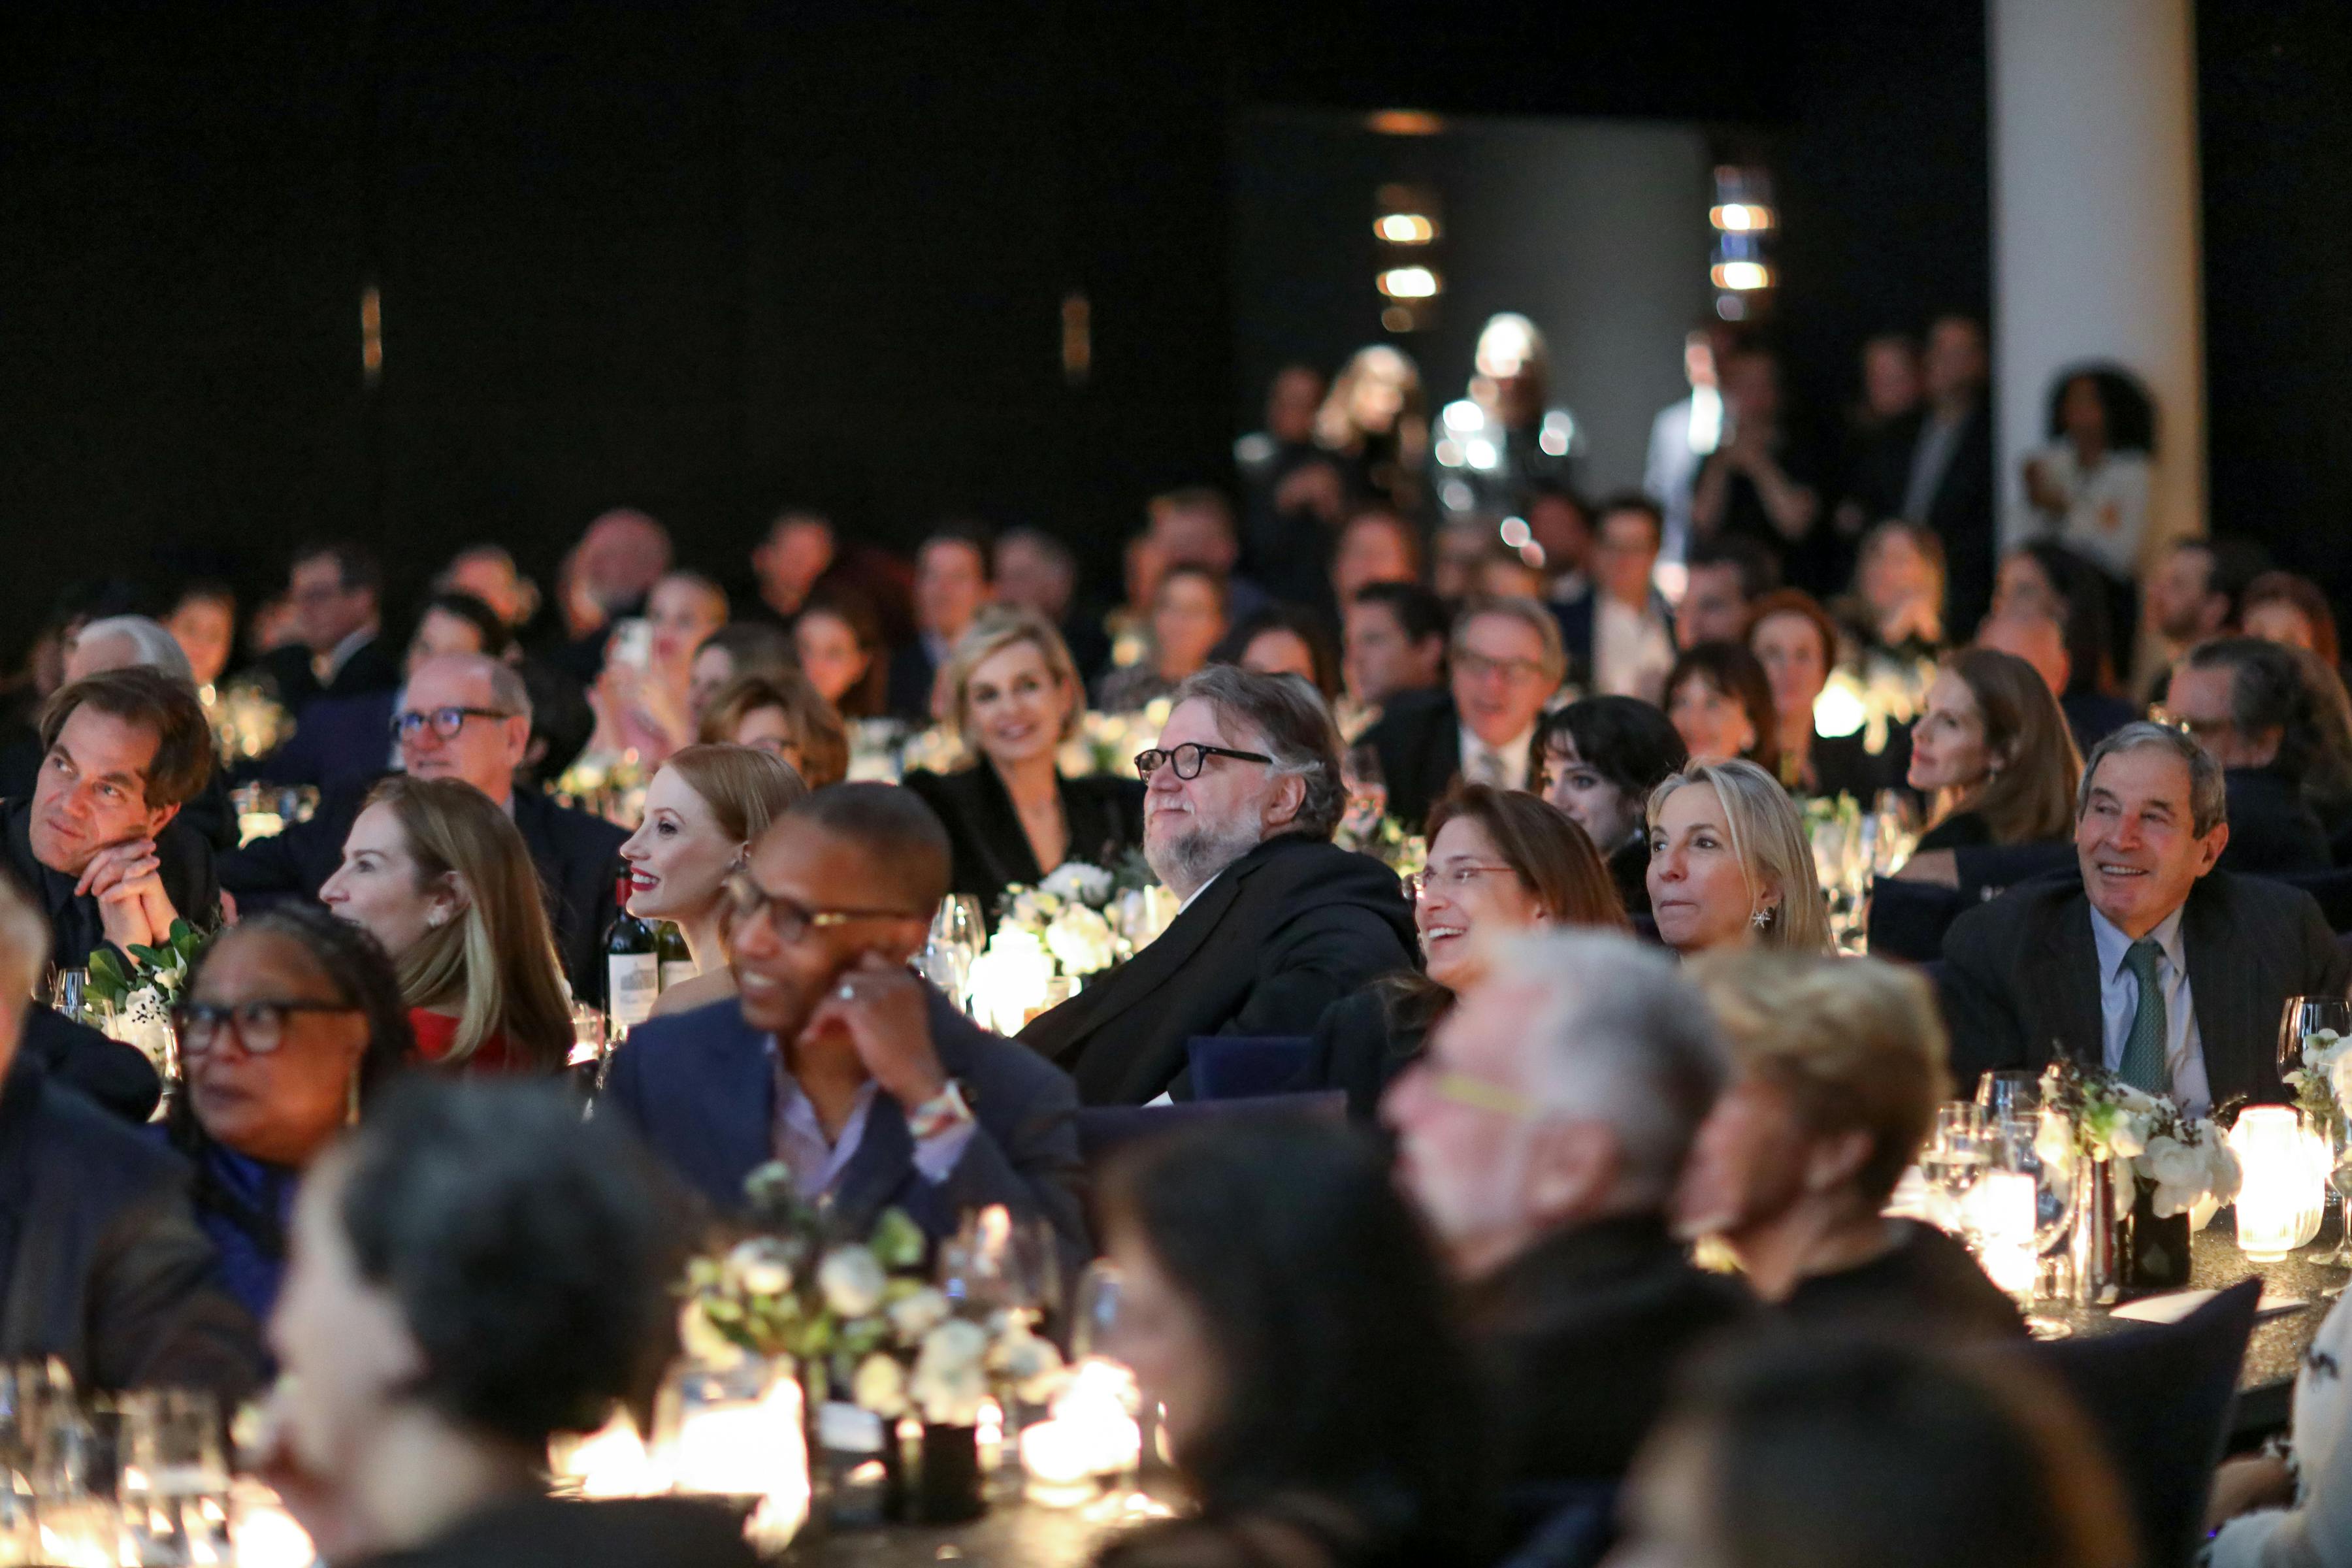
[(703, 258)]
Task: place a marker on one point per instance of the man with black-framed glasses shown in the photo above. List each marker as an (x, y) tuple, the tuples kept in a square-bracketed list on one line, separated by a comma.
[(1278, 922), (869, 1085), (465, 717)]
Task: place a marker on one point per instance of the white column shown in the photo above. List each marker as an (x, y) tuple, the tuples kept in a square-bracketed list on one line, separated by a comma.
[(2094, 226)]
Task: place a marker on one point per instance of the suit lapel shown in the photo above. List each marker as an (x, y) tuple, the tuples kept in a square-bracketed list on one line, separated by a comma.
[(2220, 991), (1002, 838), (2064, 969), (1060, 1033), (736, 1105)]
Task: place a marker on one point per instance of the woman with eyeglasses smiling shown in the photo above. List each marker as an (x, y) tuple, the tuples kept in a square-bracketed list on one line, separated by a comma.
[(290, 1024), (441, 876), (1499, 862)]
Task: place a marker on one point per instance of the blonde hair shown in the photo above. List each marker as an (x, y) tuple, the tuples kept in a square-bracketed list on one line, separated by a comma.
[(817, 730), (745, 787), (1856, 1042), (1771, 843), (23, 944), (994, 631), (499, 956)]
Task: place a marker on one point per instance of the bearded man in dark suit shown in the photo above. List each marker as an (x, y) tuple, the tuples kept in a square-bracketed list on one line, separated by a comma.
[(1241, 795)]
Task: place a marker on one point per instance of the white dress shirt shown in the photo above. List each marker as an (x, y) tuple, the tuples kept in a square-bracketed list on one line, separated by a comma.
[(2184, 1050), (1632, 654), (2106, 507), (1504, 766), (816, 1162)]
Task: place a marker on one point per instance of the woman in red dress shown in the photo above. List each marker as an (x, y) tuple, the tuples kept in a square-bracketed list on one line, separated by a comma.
[(442, 878)]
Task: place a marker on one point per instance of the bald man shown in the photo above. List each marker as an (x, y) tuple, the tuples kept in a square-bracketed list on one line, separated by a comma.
[(2040, 639), (871, 1087)]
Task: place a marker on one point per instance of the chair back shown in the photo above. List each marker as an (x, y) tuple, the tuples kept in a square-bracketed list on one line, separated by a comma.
[(2332, 888), (1104, 1129), (1246, 1067), (2160, 1395), (1908, 919)]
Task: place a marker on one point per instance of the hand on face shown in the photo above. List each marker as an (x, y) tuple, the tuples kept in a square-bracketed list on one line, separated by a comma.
[(881, 1008)]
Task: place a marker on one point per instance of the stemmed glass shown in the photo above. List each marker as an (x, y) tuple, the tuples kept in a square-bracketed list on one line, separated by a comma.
[(2304, 1016), (2017, 1147), (1954, 1160), (2004, 1097), (958, 935), (1368, 792)]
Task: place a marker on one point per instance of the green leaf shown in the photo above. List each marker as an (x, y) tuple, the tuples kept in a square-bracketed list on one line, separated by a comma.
[(181, 932), (898, 1241)]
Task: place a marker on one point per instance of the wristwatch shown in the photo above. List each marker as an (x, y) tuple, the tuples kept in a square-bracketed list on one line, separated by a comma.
[(943, 1112)]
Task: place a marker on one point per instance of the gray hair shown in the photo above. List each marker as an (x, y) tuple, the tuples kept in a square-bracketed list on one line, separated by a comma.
[(2209, 794), (1618, 1036), (1530, 613), (151, 644), (507, 693), (1291, 722)]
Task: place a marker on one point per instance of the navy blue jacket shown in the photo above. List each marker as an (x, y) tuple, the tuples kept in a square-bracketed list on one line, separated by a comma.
[(700, 1089)]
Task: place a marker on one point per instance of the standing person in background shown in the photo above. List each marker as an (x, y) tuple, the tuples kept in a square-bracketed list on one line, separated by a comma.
[(1294, 494), (2088, 488), (1759, 482), (337, 591), (1620, 638), (1879, 435), (952, 584), (1684, 434), (1948, 483), (1376, 423), (1507, 419), (438, 875)]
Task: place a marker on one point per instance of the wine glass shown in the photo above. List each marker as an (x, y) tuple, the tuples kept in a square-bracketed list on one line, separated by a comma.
[(958, 926), (1367, 791), (2306, 1016), (2018, 1149), (1093, 1312), (2003, 1097), (1953, 1161)]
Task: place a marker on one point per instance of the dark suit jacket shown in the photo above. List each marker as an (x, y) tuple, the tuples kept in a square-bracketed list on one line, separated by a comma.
[(908, 691), (1960, 510), (991, 851), (118, 1077), (538, 1531), (104, 1264), (1419, 739), (1361, 1045), (1278, 936), (372, 667), (2092, 716), (2272, 833), (76, 929), (1579, 616), (1580, 1338), (2021, 983), (577, 857), (700, 1087)]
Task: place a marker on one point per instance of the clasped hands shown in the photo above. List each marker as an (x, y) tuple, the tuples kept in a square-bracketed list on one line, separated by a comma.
[(127, 880)]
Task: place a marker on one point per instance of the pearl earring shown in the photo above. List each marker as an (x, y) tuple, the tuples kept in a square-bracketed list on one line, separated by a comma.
[(436, 918)]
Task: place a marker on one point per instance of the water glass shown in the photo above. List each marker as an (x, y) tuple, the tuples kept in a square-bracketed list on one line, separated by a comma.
[(2004, 1097), (174, 1483), (587, 1035), (1368, 790)]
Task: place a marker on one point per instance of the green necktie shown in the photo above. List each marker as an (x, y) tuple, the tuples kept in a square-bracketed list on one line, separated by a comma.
[(2145, 1062)]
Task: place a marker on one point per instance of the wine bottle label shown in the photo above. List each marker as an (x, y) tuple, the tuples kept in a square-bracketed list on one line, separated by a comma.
[(632, 981), (675, 970)]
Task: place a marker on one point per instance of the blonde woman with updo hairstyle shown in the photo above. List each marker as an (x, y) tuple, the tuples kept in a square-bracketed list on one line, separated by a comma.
[(443, 879), (1729, 863), (1011, 815), (779, 712), (704, 808), (1838, 1065)]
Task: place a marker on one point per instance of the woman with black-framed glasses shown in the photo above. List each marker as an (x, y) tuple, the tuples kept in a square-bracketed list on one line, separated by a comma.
[(287, 1026)]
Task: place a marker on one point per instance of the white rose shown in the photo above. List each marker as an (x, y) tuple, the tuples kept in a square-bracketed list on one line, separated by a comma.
[(951, 1375), (1032, 1366), (760, 1268), (852, 1282), (2129, 1139), (1080, 883), (703, 1341), (879, 1385), (2224, 1176), (914, 1316), (2339, 1078), (2174, 1164), (1080, 940), (2171, 1200)]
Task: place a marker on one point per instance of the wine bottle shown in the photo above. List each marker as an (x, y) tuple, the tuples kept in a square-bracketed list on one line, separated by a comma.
[(677, 958), (632, 969)]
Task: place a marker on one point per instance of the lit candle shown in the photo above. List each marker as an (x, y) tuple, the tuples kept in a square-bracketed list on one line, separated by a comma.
[(1090, 1435), (2000, 1216), (2284, 1190), (610, 1462), (751, 1448)]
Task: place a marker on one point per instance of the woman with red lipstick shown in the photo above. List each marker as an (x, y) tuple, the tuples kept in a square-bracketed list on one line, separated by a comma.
[(1499, 862), (443, 879), (703, 810)]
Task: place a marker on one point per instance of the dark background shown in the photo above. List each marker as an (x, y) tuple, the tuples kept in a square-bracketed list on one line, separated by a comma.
[(707, 258)]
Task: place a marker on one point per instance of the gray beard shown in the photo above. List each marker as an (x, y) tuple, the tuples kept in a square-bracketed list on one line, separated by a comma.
[(1187, 861)]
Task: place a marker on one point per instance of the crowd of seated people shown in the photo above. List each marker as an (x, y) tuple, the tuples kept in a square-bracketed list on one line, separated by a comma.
[(1605, 1020)]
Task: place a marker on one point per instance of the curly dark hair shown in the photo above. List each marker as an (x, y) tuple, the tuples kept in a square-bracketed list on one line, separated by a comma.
[(528, 1251), (1626, 740), (355, 963), (1344, 1380)]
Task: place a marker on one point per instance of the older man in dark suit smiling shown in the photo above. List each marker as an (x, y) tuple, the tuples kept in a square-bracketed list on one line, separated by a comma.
[(2154, 965)]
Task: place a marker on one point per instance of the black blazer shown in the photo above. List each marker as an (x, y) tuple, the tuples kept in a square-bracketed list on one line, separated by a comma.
[(700, 1089), (2022, 982), (105, 1265), (1360, 1046), (577, 857), (372, 667), (1843, 765), (1419, 739), (76, 929), (1960, 510), (907, 690), (2272, 833), (990, 852), (1278, 936)]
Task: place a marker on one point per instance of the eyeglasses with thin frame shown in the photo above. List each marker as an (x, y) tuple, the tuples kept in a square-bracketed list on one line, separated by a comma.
[(1453, 877), (2204, 732), (1190, 758), (787, 918), (259, 1024), (445, 722)]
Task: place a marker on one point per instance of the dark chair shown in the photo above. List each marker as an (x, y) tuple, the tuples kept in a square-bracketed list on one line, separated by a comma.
[(1103, 1129), (1247, 1067), (1908, 919), (2160, 1395), (1988, 870)]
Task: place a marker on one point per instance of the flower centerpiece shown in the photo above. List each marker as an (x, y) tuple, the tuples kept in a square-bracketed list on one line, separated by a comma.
[(873, 1339), (2322, 1084), (140, 990), (1406, 854), (1059, 929), (1106, 743), (2159, 1161)]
